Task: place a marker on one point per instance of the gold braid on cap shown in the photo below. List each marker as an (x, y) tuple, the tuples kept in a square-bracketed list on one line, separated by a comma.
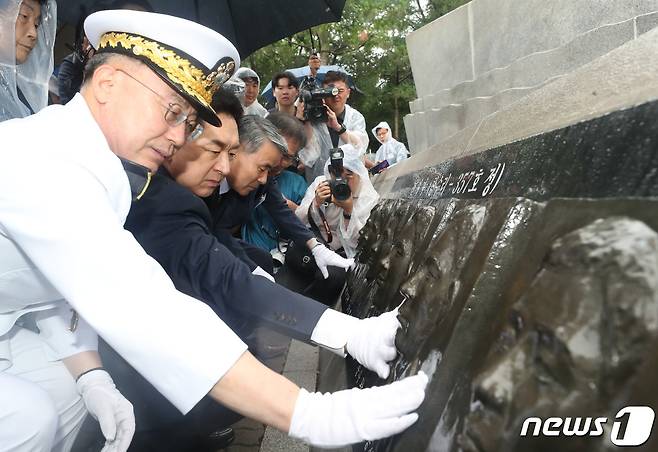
[(178, 69)]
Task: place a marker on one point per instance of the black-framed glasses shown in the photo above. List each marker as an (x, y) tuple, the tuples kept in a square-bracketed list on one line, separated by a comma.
[(174, 113)]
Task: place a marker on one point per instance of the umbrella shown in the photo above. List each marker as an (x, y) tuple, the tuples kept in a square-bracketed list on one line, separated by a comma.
[(301, 72), (248, 24)]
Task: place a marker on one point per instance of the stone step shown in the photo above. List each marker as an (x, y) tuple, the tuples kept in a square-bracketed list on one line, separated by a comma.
[(532, 71), (518, 77), (484, 35), (623, 78)]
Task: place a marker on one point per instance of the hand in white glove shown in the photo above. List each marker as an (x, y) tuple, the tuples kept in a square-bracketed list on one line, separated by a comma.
[(355, 415), (370, 341), (259, 271), (324, 256), (112, 410)]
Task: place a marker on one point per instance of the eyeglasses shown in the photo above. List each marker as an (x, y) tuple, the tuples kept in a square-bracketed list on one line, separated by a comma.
[(291, 158), (174, 114)]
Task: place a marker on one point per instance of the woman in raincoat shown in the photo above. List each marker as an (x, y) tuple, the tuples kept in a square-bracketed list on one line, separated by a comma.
[(391, 149), (344, 219)]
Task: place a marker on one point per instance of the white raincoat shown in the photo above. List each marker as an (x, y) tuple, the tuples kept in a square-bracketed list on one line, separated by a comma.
[(33, 75), (255, 108), (317, 149), (391, 149), (345, 232)]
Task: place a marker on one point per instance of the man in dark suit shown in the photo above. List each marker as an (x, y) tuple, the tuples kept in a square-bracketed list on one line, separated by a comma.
[(249, 184), (172, 223)]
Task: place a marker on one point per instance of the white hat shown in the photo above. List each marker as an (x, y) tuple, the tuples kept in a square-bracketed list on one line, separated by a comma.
[(194, 60)]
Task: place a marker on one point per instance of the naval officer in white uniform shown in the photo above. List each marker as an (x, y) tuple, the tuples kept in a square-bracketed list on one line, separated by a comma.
[(64, 196)]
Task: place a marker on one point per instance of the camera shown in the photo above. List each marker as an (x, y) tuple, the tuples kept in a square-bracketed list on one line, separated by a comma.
[(339, 187), (312, 95)]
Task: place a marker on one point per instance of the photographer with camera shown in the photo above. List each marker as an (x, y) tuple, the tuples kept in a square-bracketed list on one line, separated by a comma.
[(338, 203), (341, 125)]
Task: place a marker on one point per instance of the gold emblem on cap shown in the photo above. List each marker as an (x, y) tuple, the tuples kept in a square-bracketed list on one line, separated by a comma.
[(178, 69)]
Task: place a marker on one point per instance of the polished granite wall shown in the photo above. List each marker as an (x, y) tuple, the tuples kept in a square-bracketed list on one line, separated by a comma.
[(529, 281)]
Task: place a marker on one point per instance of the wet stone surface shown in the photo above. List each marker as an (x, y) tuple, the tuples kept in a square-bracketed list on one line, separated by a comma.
[(515, 308), (528, 275)]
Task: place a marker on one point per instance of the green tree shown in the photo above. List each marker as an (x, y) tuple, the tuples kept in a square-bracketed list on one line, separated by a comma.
[(369, 42)]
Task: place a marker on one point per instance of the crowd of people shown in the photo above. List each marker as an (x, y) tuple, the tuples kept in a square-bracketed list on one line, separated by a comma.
[(148, 210)]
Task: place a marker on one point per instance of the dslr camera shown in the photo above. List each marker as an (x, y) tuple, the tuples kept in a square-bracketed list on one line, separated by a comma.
[(339, 188), (313, 95)]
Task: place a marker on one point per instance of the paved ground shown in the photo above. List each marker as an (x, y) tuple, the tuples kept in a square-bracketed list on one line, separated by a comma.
[(299, 364)]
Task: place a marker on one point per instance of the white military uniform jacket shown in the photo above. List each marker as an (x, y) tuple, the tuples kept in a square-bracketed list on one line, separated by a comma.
[(63, 199)]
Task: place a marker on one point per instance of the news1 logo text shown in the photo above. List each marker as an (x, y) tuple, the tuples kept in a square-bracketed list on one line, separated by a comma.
[(630, 427)]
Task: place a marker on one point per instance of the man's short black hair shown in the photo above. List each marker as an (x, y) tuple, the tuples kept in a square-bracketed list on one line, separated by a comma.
[(292, 80), (224, 101), (289, 126), (336, 76)]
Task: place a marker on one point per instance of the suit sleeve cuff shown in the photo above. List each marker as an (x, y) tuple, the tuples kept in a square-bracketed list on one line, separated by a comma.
[(333, 330)]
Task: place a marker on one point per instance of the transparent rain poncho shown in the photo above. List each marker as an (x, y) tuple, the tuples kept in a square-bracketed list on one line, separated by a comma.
[(346, 232), (32, 76), (391, 150)]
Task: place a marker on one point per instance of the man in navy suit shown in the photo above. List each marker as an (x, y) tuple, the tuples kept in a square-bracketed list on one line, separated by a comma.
[(173, 225), (249, 184)]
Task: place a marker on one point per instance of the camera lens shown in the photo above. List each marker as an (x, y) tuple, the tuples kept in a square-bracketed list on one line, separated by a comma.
[(340, 190)]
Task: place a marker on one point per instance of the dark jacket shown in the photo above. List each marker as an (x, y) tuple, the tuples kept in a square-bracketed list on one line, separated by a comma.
[(70, 77), (173, 226), (230, 211)]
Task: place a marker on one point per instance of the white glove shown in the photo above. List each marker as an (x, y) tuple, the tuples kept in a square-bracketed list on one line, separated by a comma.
[(112, 410), (324, 256), (370, 341), (355, 415), (259, 271)]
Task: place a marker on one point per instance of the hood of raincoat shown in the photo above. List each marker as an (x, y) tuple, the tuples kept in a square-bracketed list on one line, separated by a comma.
[(382, 125), (353, 162), (33, 75), (245, 72)]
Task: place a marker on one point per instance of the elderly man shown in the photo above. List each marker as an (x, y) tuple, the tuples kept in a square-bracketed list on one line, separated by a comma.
[(251, 90), (250, 184), (261, 230), (152, 75), (173, 225)]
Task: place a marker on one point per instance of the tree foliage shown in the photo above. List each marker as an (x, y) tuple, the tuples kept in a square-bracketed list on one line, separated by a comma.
[(369, 42)]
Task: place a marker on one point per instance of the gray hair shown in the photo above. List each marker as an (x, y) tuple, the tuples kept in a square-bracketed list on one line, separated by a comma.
[(102, 58), (289, 126), (255, 131)]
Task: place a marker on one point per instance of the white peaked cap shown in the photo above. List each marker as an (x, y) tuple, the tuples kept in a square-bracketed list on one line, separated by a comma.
[(193, 59)]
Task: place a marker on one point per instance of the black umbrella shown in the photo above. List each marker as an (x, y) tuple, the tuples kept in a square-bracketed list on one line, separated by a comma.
[(248, 24)]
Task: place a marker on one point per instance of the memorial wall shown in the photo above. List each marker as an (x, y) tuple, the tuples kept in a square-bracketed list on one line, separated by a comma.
[(522, 248)]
